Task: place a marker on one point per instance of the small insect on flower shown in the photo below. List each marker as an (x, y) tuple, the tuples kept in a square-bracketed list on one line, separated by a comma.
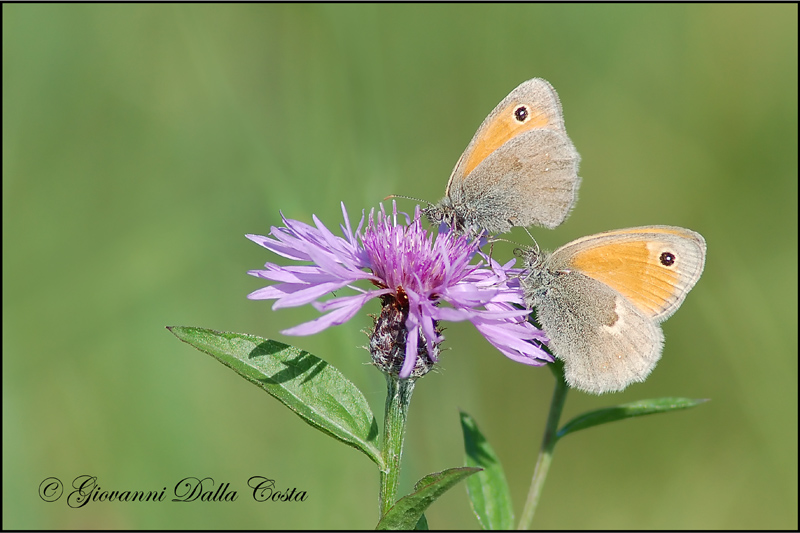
[(420, 278)]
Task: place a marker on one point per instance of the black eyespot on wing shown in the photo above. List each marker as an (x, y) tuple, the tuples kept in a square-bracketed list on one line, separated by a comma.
[(667, 259), (521, 113)]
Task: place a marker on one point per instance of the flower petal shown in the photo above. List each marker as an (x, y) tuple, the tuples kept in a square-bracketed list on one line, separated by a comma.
[(307, 294), (334, 318), (411, 352), (430, 273)]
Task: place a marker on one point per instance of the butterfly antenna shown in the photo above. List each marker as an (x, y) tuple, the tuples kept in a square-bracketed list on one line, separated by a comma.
[(491, 240), (406, 198), (519, 247), (536, 244)]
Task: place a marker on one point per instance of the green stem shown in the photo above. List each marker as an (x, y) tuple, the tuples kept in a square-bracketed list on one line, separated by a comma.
[(548, 445), (398, 398)]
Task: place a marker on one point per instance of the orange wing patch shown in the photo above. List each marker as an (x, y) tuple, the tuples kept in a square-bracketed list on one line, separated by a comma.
[(497, 133), (635, 270)]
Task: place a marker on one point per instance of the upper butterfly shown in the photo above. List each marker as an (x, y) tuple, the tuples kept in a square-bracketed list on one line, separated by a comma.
[(520, 169)]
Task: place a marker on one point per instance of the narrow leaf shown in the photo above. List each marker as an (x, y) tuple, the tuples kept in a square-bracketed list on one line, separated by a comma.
[(488, 490), (627, 410), (405, 514), (316, 391)]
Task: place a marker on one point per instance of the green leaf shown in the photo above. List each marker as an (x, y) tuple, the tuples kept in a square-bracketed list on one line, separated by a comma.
[(488, 491), (405, 514), (316, 391), (627, 410)]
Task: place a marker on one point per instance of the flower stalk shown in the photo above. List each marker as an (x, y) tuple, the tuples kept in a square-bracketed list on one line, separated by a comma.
[(548, 446), (421, 279), (398, 398)]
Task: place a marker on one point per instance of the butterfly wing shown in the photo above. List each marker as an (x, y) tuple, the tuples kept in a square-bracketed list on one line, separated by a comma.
[(653, 267), (521, 164), (501, 125), (532, 179), (606, 343)]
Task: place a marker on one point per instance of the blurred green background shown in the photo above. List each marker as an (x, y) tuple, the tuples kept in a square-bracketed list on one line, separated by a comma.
[(141, 142)]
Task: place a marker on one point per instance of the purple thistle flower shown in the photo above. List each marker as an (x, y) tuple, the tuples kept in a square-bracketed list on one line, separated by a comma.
[(413, 273)]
